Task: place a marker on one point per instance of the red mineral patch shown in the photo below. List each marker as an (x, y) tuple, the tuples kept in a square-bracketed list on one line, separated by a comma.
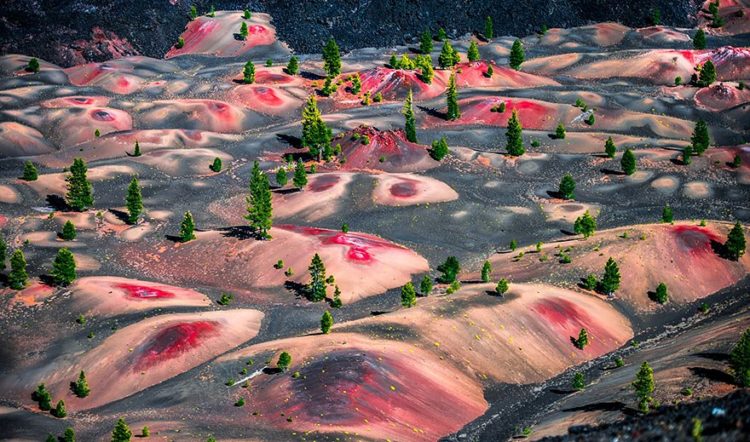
[(173, 341), (694, 240), (142, 292), (404, 189), (322, 183)]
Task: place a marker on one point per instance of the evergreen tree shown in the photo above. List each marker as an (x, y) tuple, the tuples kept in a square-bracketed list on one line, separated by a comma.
[(666, 214), (68, 231), (410, 125), (486, 271), (514, 135), (441, 35), (473, 53), (560, 132), (439, 149), (317, 287), (281, 177), (585, 225), (315, 134), (292, 68), (329, 87), (579, 382), (60, 411), (661, 294), (567, 187), (17, 277), (699, 41), (180, 43), (122, 432), (490, 70), (426, 73), (611, 280), (326, 322), (425, 286), (187, 228), (609, 148), (583, 339), (489, 32), (331, 58), (739, 360), (43, 397), (502, 286), (50, 438), (735, 245), (3, 252), (687, 154), (216, 165), (212, 12), (449, 270), (408, 295), (243, 31), (246, 14), (517, 55), (285, 360), (425, 42), (259, 210), (336, 301), (69, 435), (29, 171), (644, 387), (134, 201), (300, 175), (137, 150), (80, 194), (33, 65), (628, 162), (248, 73), (737, 161), (393, 62), (193, 12), (454, 113), (356, 84), (63, 267), (145, 432), (81, 386), (447, 58), (707, 75), (700, 139)]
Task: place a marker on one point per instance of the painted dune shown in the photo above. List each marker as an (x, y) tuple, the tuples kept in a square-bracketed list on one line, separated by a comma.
[(367, 148), (142, 355), (363, 264), (405, 189), (19, 140), (318, 200), (196, 114)]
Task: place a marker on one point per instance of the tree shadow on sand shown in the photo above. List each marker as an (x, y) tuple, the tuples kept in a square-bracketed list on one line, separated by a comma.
[(721, 357), (607, 171), (291, 140), (712, 374), (433, 112), (311, 76), (57, 203), (238, 232)]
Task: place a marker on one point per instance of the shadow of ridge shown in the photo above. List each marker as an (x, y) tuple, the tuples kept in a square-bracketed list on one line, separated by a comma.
[(562, 391), (722, 357), (433, 112), (712, 374)]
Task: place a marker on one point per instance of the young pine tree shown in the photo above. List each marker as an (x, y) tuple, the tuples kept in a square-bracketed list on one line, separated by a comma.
[(699, 40), (60, 411), (134, 201), (585, 225), (661, 296), (449, 270), (292, 68), (489, 32), (33, 65), (439, 149), (735, 245), (560, 132), (137, 150), (486, 271), (122, 432), (567, 187), (336, 301), (17, 278), (316, 136), (667, 216), (246, 14), (68, 232), (609, 148), (332, 58), (628, 162), (441, 35), (739, 360), (611, 280), (300, 175), (410, 125), (707, 75), (187, 228), (69, 435), (454, 113), (514, 135), (248, 73), (425, 42), (281, 177), (81, 386), (473, 53), (316, 288), (425, 286), (644, 387), (29, 171), (579, 381), (216, 165), (408, 295), (285, 360), (700, 139), (80, 193), (583, 339), (63, 267), (687, 155), (326, 321), (447, 58), (502, 286), (243, 31), (259, 210), (517, 55)]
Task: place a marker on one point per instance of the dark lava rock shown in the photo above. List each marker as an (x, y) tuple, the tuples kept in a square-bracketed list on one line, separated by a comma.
[(68, 32)]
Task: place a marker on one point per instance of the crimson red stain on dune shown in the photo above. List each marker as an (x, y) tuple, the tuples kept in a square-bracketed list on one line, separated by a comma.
[(101, 115), (394, 84), (144, 292), (271, 77), (532, 114), (560, 312), (397, 154), (361, 246), (173, 341), (404, 189), (694, 240), (322, 183)]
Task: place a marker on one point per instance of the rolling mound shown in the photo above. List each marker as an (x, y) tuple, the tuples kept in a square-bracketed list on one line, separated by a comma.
[(367, 148)]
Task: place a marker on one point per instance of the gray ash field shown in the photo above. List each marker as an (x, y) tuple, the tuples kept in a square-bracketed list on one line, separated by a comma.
[(227, 223)]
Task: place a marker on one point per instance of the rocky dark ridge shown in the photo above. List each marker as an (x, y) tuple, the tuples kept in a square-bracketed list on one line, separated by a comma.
[(68, 32)]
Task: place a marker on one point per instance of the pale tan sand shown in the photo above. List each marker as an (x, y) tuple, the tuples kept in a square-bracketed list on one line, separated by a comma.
[(406, 189)]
